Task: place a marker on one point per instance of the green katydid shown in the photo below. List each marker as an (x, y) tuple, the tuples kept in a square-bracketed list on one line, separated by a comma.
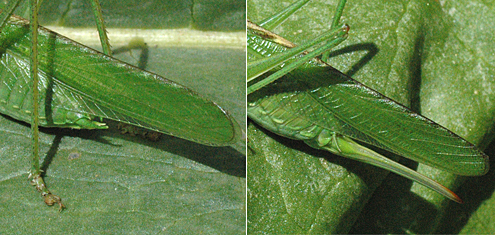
[(323, 107), (65, 105)]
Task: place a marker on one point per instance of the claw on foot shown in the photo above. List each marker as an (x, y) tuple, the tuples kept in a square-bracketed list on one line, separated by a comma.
[(49, 198)]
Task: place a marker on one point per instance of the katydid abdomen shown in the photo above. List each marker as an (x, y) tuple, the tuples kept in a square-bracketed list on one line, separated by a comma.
[(78, 84)]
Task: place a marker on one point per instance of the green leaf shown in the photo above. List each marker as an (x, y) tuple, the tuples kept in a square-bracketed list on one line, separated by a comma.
[(219, 15), (114, 183), (435, 59)]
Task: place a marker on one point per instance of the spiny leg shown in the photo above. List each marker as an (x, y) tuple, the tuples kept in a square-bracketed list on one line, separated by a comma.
[(335, 23), (35, 174), (37, 180), (261, 66), (273, 21), (100, 25)]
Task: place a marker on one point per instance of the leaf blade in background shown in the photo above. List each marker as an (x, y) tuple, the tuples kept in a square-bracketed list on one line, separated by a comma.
[(388, 49), (114, 183)]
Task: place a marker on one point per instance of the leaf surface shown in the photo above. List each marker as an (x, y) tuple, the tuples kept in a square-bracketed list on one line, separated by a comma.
[(414, 52), (114, 183)]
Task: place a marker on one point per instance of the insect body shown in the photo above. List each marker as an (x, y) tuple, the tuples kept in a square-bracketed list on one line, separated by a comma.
[(51, 81), (303, 113), (316, 103), (71, 97)]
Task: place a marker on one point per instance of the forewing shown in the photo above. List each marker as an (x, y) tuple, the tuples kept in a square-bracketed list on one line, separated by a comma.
[(105, 87), (329, 99)]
